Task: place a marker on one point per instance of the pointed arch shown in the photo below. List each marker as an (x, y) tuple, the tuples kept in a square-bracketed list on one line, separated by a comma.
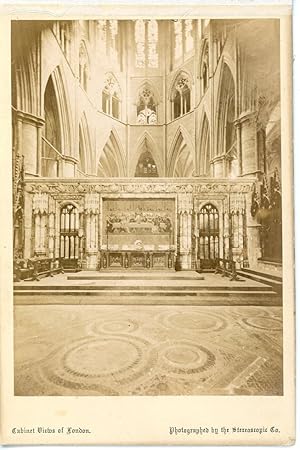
[(85, 154), (111, 162), (180, 94), (25, 95), (146, 166), (27, 84), (146, 143), (84, 65), (181, 156), (205, 155), (147, 84), (63, 110), (111, 96), (204, 66), (225, 111), (147, 102), (181, 73)]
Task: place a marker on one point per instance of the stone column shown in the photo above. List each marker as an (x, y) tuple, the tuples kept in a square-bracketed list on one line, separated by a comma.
[(82, 241), (239, 146), (29, 141), (248, 143), (40, 212), (27, 253), (51, 228), (57, 231), (91, 209), (253, 235), (185, 211), (237, 211), (226, 235), (39, 150), (195, 238)]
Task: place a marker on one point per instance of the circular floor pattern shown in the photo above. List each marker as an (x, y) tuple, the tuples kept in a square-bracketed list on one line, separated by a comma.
[(186, 357), (105, 356), (182, 355), (252, 311), (203, 322), (114, 326), (104, 363), (264, 323)]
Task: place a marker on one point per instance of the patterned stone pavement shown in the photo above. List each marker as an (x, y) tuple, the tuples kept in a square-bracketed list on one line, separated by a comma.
[(148, 350)]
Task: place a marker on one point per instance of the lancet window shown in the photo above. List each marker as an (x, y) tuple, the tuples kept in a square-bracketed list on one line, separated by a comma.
[(146, 40), (183, 38), (83, 66), (111, 98), (181, 97)]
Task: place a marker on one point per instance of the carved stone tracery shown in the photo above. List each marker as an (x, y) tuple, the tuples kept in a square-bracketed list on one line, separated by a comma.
[(196, 188)]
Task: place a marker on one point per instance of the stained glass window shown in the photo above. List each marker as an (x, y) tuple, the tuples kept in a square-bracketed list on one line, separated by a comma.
[(113, 27), (140, 43), (102, 34), (146, 40), (178, 39), (189, 42), (152, 43), (107, 34), (183, 37)]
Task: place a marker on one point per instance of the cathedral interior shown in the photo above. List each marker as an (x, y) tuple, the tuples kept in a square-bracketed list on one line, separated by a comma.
[(147, 207)]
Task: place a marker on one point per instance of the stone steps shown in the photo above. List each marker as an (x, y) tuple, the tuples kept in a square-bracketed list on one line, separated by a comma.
[(266, 275), (133, 277), (145, 288), (273, 281), (140, 289), (205, 298)]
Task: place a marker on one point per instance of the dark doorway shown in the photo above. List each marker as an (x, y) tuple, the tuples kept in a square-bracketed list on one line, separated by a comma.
[(69, 237), (208, 244)]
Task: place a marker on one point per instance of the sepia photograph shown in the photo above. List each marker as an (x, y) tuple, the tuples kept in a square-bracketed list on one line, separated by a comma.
[(147, 248), (147, 207)]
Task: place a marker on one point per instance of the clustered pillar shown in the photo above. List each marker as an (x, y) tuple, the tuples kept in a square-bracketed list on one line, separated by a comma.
[(91, 209), (185, 211), (40, 213)]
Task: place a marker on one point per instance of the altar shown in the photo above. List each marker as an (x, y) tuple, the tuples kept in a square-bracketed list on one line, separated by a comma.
[(138, 233), (135, 260)]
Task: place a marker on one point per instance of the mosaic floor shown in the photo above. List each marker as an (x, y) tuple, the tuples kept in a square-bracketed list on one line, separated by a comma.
[(148, 350)]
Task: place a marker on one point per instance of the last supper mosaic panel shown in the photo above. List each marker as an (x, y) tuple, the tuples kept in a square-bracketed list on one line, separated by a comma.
[(150, 220)]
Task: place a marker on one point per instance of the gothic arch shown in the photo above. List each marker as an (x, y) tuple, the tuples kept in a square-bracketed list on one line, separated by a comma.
[(225, 111), (85, 154), (147, 100), (204, 66), (111, 162), (179, 74), (204, 150), (181, 156), (63, 203), (148, 84), (63, 106), (84, 64), (146, 142), (24, 81), (180, 95), (111, 96)]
